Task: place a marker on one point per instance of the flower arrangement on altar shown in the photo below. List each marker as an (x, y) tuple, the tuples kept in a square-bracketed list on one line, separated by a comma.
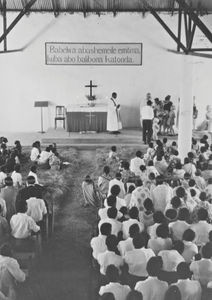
[(91, 100)]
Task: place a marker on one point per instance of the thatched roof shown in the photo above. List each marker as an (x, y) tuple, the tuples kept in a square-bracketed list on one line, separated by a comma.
[(99, 6)]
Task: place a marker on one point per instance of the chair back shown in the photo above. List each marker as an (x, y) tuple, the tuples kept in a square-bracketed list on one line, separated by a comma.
[(60, 111)]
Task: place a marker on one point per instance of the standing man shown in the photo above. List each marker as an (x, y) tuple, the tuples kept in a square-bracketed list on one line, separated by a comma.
[(113, 115), (146, 117)]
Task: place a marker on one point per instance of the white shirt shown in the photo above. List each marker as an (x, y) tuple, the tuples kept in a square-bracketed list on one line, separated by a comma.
[(189, 289), (13, 267), (151, 230), (22, 225), (137, 260), (116, 225), (126, 226), (177, 229), (202, 270), (135, 164), (158, 244), (152, 288), (190, 250), (44, 157), (36, 208), (109, 258), (201, 229), (2, 178), (17, 178), (98, 245), (119, 203), (124, 246), (171, 258), (120, 184), (4, 207), (147, 113), (102, 212), (119, 291), (161, 196), (34, 175), (34, 154)]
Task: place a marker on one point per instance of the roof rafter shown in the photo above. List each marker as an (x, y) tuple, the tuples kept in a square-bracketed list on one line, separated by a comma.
[(55, 8)]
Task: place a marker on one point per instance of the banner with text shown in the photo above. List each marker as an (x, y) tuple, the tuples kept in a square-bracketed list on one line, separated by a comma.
[(118, 54)]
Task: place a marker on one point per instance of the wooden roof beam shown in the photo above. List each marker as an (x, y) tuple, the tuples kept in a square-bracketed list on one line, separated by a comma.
[(55, 8), (17, 19)]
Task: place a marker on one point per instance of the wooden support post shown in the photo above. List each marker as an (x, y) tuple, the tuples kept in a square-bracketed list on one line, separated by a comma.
[(5, 23), (186, 108), (17, 19), (179, 27)]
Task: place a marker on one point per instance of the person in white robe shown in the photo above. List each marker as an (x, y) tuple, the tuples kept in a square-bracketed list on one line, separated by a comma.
[(113, 115)]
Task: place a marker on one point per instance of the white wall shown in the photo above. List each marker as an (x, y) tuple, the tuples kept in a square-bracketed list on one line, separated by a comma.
[(24, 77)]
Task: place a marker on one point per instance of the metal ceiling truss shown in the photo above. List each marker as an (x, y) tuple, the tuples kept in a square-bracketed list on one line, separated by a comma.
[(6, 30), (191, 21)]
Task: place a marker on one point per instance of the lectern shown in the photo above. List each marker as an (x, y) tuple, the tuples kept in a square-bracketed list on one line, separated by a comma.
[(41, 104)]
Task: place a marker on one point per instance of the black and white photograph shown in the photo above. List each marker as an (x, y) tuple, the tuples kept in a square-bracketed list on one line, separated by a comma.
[(105, 149)]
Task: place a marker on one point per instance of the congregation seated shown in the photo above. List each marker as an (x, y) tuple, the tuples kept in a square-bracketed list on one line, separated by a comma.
[(54, 160)]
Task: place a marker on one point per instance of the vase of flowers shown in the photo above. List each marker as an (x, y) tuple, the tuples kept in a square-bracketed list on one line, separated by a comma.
[(91, 100)]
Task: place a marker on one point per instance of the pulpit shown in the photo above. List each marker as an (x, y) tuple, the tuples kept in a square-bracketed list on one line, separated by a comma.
[(85, 118)]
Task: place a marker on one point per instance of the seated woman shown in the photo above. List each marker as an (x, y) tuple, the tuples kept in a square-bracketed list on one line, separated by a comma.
[(35, 152), (54, 160)]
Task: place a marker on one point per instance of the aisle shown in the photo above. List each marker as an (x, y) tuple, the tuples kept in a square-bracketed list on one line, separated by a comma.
[(63, 270)]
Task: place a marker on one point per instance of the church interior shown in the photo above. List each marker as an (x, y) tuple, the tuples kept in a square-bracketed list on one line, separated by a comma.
[(106, 149)]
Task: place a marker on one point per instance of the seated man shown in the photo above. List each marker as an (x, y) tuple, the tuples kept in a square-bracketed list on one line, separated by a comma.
[(162, 241), (112, 219), (137, 259), (117, 181), (202, 269), (36, 209), (153, 288), (22, 225), (109, 257), (9, 273), (31, 190), (189, 289), (127, 245), (97, 243), (133, 214), (119, 290)]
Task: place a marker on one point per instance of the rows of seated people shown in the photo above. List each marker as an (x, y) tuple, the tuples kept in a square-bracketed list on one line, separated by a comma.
[(23, 217), (154, 238)]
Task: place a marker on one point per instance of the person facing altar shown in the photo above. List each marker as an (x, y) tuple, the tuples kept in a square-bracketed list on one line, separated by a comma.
[(113, 115)]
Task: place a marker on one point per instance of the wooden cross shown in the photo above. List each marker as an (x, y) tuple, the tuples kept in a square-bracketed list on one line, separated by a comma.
[(90, 116), (91, 86)]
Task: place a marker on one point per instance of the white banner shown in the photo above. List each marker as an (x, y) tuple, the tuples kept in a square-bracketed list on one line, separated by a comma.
[(119, 54)]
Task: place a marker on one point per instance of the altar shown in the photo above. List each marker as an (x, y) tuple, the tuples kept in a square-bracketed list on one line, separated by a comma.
[(85, 118)]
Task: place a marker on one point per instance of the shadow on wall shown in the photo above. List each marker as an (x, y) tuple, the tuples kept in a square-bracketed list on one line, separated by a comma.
[(130, 116)]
